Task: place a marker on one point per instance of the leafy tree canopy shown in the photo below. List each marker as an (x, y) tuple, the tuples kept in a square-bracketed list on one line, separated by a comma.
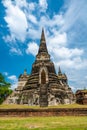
[(4, 88)]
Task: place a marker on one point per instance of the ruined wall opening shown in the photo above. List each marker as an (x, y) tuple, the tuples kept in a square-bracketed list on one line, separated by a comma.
[(43, 77)]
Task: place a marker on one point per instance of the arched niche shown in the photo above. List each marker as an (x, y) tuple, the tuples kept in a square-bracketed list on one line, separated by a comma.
[(43, 75)]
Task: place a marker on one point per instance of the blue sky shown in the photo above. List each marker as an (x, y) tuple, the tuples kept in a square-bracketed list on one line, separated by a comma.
[(65, 26)]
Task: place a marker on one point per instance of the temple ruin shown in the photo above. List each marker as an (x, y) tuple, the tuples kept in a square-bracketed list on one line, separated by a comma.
[(42, 86)]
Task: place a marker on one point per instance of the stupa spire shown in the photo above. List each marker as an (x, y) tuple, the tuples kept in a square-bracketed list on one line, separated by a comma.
[(43, 47), (43, 35)]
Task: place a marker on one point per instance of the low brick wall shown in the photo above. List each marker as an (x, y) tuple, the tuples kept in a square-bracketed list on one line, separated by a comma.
[(44, 112)]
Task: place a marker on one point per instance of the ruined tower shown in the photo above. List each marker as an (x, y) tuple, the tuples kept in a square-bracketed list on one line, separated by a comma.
[(43, 86)]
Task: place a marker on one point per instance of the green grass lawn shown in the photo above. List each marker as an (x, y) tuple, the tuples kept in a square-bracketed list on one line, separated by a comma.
[(43, 123), (5, 106)]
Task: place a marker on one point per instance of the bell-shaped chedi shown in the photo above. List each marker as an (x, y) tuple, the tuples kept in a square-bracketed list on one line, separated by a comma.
[(43, 86)]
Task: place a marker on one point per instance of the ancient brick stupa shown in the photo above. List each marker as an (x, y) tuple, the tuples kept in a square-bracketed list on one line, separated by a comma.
[(43, 86)]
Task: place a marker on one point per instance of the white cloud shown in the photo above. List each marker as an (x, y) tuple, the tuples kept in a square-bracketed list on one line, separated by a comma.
[(14, 85), (16, 51), (66, 53), (57, 40), (73, 88), (77, 78), (16, 20), (75, 13), (32, 18), (75, 63), (32, 48), (9, 38), (21, 3), (33, 33), (13, 78), (54, 23), (43, 5), (32, 6), (14, 81)]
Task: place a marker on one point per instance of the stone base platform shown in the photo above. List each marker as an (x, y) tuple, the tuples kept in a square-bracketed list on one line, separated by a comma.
[(43, 112)]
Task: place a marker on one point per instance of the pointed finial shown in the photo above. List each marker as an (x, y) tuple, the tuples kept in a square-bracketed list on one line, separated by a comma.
[(42, 35), (25, 71), (59, 72), (43, 47), (42, 51)]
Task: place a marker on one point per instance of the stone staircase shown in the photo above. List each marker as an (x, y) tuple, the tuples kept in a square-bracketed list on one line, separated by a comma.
[(43, 95)]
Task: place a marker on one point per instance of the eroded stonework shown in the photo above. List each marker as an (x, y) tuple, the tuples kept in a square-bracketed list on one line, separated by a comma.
[(81, 96), (43, 86)]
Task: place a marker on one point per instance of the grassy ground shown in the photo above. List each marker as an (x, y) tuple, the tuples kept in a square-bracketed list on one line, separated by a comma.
[(5, 106), (43, 123)]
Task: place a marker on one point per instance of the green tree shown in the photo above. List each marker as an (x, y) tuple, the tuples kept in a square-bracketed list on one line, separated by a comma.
[(4, 88)]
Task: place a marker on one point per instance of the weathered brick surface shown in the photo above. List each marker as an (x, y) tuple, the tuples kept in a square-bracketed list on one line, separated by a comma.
[(44, 112)]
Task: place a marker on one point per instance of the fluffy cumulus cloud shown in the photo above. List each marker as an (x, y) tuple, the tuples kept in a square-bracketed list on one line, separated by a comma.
[(32, 6), (57, 39), (21, 3), (43, 5), (75, 63), (14, 81), (65, 53), (12, 77), (9, 38), (32, 48), (16, 51), (32, 18), (16, 21)]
